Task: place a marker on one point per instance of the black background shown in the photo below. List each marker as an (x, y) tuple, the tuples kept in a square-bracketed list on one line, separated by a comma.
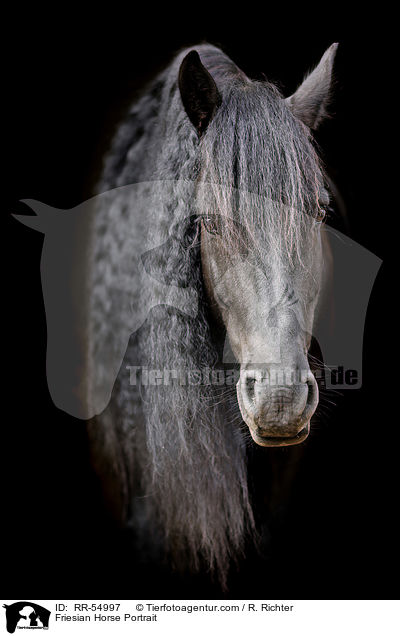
[(67, 79)]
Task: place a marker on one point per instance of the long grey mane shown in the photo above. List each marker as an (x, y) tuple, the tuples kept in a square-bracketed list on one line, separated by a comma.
[(178, 451)]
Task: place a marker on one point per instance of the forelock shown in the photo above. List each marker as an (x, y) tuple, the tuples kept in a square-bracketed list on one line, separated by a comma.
[(260, 165)]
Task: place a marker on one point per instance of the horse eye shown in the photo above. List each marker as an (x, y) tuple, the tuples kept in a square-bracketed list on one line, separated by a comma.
[(321, 214), (210, 225)]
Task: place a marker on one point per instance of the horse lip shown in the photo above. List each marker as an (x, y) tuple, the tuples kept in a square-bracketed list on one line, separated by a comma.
[(266, 440)]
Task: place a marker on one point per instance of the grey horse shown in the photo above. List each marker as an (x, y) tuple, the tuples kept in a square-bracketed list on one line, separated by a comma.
[(238, 197)]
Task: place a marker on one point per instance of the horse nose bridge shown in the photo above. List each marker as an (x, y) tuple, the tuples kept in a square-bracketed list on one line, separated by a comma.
[(274, 344)]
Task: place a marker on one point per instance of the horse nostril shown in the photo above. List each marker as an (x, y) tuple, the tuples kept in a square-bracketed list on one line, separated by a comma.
[(312, 397), (312, 390), (246, 391), (250, 383)]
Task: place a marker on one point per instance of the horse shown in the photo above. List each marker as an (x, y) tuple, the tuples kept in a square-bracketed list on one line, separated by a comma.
[(236, 222)]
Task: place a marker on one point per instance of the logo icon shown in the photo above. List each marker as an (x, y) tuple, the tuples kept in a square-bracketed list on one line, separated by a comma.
[(26, 615)]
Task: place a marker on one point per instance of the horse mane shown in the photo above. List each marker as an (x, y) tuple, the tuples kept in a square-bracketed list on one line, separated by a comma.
[(183, 443)]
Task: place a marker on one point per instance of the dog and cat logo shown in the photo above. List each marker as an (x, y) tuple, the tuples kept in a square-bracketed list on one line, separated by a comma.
[(26, 615)]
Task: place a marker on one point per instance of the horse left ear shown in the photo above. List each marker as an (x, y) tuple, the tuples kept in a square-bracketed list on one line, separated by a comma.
[(309, 103), (199, 92)]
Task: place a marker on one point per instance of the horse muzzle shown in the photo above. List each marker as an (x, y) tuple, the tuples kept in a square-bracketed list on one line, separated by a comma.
[(277, 415)]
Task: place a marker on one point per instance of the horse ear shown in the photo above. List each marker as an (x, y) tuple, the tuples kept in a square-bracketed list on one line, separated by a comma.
[(309, 103), (199, 92)]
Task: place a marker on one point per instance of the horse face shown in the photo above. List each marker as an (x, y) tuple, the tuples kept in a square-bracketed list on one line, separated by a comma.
[(265, 294), (268, 309)]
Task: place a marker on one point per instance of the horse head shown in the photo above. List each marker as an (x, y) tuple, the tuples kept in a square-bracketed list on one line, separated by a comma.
[(262, 196)]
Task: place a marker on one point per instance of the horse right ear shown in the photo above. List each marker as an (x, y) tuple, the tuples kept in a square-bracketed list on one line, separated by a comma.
[(199, 92)]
